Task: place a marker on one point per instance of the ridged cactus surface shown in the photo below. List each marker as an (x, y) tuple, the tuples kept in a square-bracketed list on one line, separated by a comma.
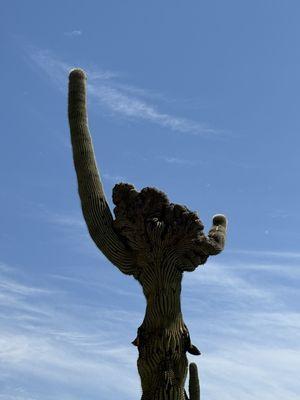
[(153, 240)]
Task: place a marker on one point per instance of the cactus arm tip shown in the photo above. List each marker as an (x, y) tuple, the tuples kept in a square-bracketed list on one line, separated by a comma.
[(220, 219), (77, 73)]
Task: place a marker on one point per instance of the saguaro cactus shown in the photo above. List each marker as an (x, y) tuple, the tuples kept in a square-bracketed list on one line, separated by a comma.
[(153, 240)]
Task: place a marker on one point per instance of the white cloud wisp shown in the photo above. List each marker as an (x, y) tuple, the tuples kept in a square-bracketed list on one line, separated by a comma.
[(245, 322), (120, 99)]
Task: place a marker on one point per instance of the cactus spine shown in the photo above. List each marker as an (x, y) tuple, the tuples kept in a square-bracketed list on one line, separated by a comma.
[(153, 240)]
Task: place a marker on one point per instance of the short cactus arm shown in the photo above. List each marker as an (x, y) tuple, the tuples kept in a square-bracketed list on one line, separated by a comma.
[(217, 235), (94, 206), (194, 386)]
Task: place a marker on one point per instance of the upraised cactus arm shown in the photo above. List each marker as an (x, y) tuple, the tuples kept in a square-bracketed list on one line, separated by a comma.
[(94, 206)]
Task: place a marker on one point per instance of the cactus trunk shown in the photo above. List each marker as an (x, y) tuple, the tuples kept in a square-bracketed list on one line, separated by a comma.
[(153, 240)]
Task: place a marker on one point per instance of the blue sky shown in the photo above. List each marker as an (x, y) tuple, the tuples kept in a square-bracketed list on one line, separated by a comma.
[(200, 99)]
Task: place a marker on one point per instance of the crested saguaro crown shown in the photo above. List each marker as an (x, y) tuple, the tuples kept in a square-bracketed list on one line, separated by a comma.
[(153, 240)]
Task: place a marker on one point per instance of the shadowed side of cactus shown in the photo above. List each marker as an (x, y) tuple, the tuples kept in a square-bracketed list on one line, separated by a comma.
[(155, 241), (194, 387)]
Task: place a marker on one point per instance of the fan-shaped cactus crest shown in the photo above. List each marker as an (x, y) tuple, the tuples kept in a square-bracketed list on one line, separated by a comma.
[(153, 240)]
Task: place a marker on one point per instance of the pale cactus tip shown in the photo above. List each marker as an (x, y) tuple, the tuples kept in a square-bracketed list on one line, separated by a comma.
[(77, 73), (220, 219)]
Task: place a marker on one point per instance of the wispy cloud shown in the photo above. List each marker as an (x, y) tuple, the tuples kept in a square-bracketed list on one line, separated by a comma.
[(282, 214), (52, 345), (120, 99), (245, 322), (69, 227), (179, 161), (75, 32), (113, 178), (267, 253), (249, 372), (14, 287), (66, 220)]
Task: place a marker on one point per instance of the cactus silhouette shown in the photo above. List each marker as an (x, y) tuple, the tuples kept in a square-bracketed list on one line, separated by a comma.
[(153, 240)]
